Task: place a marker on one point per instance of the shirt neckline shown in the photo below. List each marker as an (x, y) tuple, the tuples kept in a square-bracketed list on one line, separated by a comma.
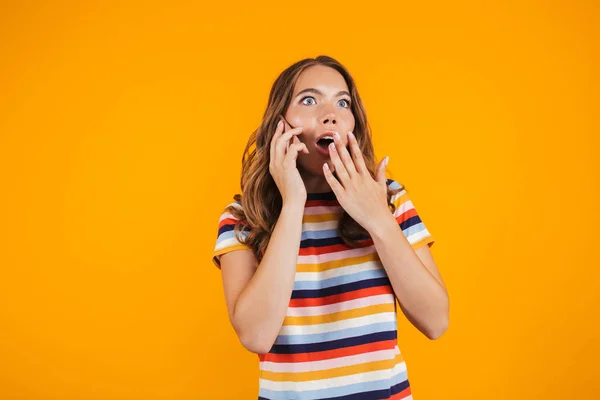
[(329, 195)]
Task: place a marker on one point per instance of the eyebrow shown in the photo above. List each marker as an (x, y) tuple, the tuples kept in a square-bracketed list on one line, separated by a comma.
[(317, 91)]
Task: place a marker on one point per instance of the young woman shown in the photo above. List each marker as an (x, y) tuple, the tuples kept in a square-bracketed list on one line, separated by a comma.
[(320, 245)]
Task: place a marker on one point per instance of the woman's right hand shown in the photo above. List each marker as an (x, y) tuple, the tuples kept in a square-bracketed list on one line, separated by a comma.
[(282, 165)]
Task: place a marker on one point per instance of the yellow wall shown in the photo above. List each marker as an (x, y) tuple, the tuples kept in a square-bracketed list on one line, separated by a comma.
[(121, 134)]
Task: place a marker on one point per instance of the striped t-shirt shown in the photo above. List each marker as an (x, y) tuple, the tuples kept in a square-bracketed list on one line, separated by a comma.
[(339, 335)]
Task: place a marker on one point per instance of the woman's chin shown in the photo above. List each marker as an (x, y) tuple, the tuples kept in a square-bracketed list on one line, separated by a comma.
[(316, 170)]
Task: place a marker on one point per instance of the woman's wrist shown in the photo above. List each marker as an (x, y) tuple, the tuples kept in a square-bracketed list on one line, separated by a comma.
[(293, 206)]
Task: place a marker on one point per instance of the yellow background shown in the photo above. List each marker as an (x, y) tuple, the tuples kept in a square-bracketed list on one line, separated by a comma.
[(121, 134)]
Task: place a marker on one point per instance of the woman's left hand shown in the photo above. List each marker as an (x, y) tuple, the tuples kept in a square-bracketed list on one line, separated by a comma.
[(361, 196)]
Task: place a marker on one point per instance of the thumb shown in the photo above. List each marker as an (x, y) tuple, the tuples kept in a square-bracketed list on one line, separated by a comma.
[(380, 175)]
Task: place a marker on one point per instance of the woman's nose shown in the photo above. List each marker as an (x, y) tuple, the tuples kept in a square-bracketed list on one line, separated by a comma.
[(329, 118)]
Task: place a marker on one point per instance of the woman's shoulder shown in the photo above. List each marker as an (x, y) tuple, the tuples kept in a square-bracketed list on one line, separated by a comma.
[(393, 184), (398, 190), (230, 212), (234, 203)]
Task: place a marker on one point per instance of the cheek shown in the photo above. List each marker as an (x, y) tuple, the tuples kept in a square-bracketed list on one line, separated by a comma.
[(301, 117), (297, 120), (350, 122)]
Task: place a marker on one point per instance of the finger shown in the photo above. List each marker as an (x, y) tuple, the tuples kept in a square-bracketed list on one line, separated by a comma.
[(344, 155), (278, 132), (359, 161), (286, 127), (304, 149), (292, 155), (293, 140), (339, 166), (380, 175), (287, 135), (335, 185), (281, 144)]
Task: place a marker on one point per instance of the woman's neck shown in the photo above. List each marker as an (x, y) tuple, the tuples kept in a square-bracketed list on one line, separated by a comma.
[(314, 183)]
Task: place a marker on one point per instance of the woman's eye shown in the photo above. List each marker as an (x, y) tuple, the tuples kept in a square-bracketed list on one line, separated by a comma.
[(347, 103), (307, 97)]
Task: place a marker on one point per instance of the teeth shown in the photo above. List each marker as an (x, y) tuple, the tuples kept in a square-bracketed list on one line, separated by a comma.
[(327, 137)]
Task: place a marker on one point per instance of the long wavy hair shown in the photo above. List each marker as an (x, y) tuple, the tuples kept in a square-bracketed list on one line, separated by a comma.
[(261, 201)]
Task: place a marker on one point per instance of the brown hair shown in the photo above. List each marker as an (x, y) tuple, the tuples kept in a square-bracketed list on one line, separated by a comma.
[(261, 201)]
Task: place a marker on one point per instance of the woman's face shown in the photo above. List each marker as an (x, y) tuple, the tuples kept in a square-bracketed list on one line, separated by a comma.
[(320, 104)]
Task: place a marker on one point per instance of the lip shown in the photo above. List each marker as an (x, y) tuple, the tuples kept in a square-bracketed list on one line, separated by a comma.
[(325, 133), (324, 152), (321, 150)]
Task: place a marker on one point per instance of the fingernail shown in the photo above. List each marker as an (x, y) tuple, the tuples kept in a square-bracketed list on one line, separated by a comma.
[(387, 158), (332, 146), (351, 135), (279, 123), (336, 135)]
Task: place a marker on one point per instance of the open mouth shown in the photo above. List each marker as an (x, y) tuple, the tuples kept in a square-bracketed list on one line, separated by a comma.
[(324, 142), (323, 145)]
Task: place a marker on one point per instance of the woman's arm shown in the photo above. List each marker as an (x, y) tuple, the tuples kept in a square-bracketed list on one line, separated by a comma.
[(417, 283), (257, 296)]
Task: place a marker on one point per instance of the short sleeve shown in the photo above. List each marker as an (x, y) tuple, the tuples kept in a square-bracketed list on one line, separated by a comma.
[(409, 220), (226, 238)]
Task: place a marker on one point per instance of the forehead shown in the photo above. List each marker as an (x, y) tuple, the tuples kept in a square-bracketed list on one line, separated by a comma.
[(321, 77)]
